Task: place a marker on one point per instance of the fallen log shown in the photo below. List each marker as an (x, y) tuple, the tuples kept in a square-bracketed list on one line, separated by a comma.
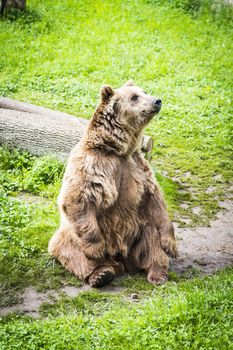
[(43, 131)]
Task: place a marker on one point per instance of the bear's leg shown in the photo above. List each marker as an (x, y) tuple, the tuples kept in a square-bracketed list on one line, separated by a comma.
[(63, 245), (156, 209), (148, 255)]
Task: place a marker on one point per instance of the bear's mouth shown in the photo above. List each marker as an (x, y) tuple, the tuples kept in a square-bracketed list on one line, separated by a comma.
[(157, 108), (154, 110)]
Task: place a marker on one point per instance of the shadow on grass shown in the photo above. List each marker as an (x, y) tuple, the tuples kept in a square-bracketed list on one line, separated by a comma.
[(24, 18)]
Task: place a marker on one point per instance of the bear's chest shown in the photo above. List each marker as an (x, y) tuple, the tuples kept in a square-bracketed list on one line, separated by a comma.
[(120, 223), (131, 185)]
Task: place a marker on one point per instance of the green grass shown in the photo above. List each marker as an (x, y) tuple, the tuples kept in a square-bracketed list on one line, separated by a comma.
[(57, 55), (26, 226)]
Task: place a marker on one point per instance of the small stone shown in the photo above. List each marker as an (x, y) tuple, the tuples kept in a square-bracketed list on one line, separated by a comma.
[(217, 177), (186, 221), (134, 296), (196, 210), (210, 189), (184, 205), (202, 262), (187, 174), (176, 179)]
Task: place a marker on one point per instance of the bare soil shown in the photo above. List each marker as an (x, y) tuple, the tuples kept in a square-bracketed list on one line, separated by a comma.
[(207, 249)]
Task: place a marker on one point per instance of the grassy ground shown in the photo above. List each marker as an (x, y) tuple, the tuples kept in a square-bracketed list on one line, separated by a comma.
[(58, 55), (192, 315)]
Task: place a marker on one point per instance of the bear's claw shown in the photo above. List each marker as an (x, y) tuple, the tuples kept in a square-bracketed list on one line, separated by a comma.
[(168, 244), (101, 277)]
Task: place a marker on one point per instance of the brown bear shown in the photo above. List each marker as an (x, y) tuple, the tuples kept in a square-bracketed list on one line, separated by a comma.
[(113, 216)]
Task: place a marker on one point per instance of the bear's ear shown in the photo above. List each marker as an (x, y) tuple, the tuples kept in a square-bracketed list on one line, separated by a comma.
[(106, 92), (129, 83)]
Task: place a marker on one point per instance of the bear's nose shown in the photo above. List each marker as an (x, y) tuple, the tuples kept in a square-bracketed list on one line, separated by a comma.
[(157, 102)]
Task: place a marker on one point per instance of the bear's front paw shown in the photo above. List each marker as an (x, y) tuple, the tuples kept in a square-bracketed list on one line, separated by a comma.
[(95, 251), (168, 244), (102, 276)]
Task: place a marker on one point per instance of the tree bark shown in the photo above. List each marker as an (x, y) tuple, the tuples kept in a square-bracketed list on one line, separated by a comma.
[(43, 131), (8, 4)]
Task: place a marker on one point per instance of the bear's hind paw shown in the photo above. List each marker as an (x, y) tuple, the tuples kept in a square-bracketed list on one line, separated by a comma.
[(157, 276)]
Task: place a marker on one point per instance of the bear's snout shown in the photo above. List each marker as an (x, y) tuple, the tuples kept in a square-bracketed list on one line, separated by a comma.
[(157, 104)]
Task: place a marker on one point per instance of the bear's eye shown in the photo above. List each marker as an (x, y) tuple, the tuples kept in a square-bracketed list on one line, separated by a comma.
[(134, 97)]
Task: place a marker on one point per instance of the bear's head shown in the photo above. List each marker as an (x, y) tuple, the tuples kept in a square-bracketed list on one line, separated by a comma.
[(121, 116), (131, 103)]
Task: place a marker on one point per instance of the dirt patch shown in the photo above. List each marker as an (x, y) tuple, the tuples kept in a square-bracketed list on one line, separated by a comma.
[(73, 292), (32, 300), (206, 248)]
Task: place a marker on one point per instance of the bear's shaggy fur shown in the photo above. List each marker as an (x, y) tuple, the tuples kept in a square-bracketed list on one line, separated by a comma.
[(113, 216)]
